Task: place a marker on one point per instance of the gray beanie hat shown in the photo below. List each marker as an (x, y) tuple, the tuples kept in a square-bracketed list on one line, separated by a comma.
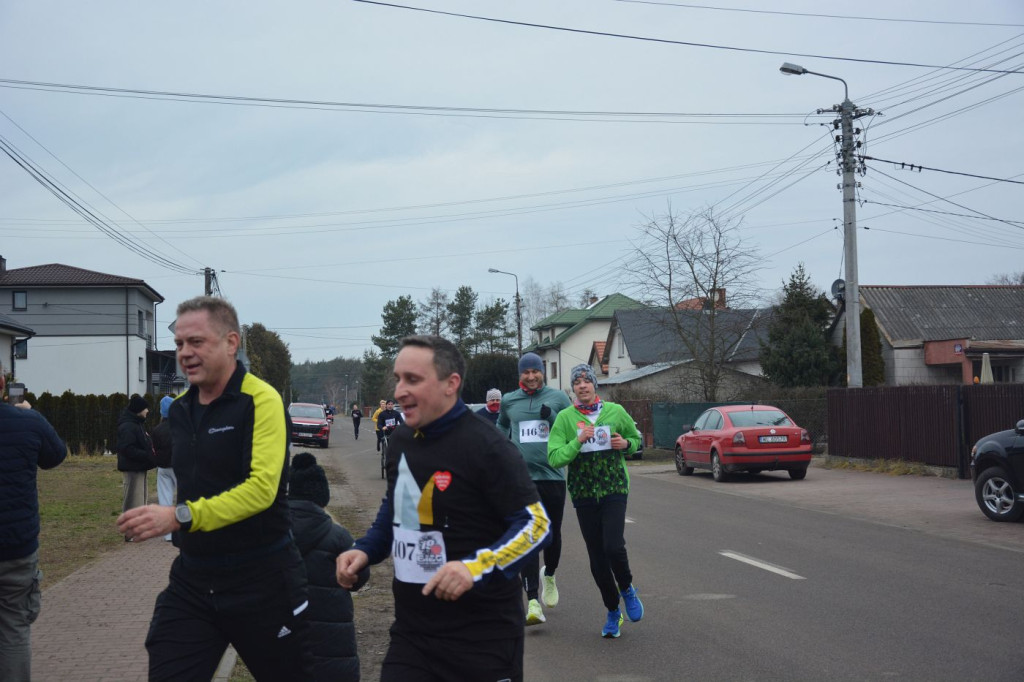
[(493, 394), (531, 361), (585, 371)]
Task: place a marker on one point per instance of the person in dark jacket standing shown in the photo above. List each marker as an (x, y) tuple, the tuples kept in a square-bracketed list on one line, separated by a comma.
[(239, 577), (27, 443), (134, 453), (357, 416), (332, 632), (166, 483)]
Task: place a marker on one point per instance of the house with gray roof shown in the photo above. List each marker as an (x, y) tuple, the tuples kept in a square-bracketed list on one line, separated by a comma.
[(645, 351), (938, 334), (566, 338), (93, 332)]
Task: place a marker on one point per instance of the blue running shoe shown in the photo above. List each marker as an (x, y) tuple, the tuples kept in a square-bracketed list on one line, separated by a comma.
[(611, 627), (634, 607)]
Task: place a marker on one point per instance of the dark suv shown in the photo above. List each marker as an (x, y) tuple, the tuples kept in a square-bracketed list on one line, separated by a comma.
[(997, 469)]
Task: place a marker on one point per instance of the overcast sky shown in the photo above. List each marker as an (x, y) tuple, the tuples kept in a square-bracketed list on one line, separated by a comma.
[(315, 216)]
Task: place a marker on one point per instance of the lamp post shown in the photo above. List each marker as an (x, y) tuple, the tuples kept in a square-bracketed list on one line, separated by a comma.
[(847, 113), (519, 311)]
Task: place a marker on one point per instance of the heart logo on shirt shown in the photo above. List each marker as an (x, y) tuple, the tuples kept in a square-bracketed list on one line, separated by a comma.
[(442, 479)]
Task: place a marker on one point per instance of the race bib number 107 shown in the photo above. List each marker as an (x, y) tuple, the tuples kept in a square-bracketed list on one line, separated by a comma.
[(417, 555)]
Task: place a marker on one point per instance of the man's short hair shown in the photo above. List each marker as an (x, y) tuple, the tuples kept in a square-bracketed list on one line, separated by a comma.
[(222, 313), (447, 358)]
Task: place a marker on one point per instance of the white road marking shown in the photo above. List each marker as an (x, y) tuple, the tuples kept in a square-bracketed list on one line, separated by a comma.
[(784, 572)]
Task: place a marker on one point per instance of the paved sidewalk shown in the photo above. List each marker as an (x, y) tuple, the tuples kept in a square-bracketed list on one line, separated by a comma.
[(93, 623)]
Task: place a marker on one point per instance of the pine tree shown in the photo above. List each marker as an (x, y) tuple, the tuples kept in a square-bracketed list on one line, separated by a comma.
[(798, 352), (872, 364)]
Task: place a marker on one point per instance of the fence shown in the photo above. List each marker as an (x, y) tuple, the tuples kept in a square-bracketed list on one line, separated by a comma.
[(933, 425)]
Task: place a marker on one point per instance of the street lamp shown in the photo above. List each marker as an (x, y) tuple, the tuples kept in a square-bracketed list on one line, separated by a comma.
[(847, 113), (519, 310)]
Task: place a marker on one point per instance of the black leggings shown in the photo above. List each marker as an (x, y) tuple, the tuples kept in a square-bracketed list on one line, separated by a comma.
[(552, 496), (603, 526)]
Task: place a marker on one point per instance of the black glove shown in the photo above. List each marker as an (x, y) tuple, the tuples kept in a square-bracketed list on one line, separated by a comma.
[(545, 411)]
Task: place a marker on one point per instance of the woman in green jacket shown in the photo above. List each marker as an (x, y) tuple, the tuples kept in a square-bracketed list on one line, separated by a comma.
[(592, 438)]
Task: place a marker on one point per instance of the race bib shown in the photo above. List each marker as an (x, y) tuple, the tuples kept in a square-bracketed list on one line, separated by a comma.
[(417, 555), (601, 440), (534, 431), (389, 423)]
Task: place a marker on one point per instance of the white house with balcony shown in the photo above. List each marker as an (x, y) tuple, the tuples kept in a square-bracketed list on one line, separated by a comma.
[(93, 332)]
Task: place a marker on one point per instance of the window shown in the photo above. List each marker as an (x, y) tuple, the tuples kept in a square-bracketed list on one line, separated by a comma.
[(621, 343), (554, 370), (142, 324), (20, 301), (1003, 374), (21, 349), (142, 369), (714, 421)]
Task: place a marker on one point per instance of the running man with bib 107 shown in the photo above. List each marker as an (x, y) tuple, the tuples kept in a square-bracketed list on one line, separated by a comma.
[(460, 517)]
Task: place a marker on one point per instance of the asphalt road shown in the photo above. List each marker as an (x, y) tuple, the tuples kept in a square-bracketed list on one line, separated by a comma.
[(843, 576), (750, 581)]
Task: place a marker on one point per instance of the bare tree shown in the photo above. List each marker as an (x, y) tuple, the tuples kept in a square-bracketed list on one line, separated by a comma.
[(586, 297), (432, 314), (532, 302), (1013, 278), (697, 271), (556, 298)]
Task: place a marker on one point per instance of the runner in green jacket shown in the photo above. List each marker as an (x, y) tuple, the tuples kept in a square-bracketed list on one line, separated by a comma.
[(593, 438)]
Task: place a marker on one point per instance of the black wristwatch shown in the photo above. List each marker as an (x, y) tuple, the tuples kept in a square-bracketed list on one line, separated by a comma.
[(183, 515)]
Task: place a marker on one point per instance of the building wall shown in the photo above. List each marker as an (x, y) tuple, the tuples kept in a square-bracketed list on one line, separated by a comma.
[(682, 384), (618, 356), (574, 350), (5, 351), (81, 311), (84, 364)]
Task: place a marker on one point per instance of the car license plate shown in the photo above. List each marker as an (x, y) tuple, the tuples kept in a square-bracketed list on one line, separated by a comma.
[(771, 439)]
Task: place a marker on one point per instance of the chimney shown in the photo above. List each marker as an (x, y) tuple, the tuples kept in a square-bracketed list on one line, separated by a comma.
[(3, 265), (720, 298), (593, 300)]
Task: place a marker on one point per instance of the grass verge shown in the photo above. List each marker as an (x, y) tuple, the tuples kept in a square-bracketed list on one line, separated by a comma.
[(79, 502)]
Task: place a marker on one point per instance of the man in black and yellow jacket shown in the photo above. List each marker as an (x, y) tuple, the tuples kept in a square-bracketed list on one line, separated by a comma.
[(239, 579)]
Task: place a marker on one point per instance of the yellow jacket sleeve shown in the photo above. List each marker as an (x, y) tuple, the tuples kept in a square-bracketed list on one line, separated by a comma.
[(269, 448)]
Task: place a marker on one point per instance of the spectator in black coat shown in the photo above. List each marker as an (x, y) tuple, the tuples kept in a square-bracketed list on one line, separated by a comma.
[(332, 632), (27, 443), (134, 453)]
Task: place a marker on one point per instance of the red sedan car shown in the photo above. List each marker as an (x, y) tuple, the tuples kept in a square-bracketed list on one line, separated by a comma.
[(749, 438)]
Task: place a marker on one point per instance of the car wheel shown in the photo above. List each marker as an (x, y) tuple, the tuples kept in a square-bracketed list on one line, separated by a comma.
[(681, 463), (798, 474), (996, 496), (718, 472)]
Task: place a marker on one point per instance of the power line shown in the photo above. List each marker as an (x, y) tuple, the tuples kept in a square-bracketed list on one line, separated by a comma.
[(82, 209), (911, 167), (966, 208), (88, 184), (666, 41), (626, 183), (930, 210), (363, 107), (821, 16)]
